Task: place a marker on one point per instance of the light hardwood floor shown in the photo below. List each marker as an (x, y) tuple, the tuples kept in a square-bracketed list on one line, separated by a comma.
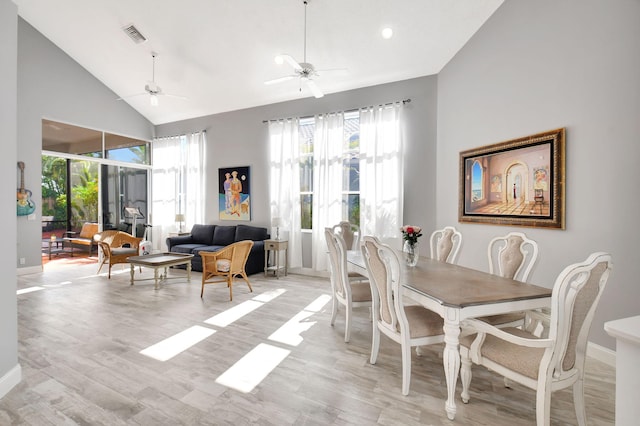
[(80, 338)]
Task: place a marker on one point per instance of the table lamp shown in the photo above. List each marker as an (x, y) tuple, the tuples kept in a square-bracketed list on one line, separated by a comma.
[(276, 222), (180, 221)]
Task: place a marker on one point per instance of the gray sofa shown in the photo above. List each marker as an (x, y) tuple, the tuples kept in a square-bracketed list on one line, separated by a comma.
[(215, 237)]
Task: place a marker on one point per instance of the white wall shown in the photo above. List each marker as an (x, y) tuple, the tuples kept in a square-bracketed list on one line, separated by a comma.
[(541, 65), (240, 138), (52, 85), (9, 368)]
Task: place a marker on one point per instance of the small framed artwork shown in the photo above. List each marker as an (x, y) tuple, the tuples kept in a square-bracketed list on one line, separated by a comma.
[(234, 193), (520, 182)]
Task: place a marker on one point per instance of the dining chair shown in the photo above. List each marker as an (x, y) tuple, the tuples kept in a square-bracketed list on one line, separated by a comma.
[(408, 325), (350, 233), (350, 293), (544, 364), (511, 256), (445, 244), (226, 264)]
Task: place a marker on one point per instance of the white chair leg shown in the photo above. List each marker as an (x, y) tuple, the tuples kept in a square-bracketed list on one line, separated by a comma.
[(543, 404), (465, 376), (347, 325), (406, 368), (578, 402), (334, 310), (375, 344)]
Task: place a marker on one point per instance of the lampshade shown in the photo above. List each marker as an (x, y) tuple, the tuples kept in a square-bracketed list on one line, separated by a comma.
[(179, 217), (276, 221)]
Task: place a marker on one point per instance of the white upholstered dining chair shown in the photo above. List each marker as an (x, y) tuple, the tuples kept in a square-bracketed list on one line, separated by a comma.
[(408, 325), (350, 293), (544, 364), (350, 233), (445, 244), (511, 256)]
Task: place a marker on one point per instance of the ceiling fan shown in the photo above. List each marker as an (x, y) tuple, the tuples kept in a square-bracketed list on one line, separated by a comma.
[(151, 88), (304, 70)]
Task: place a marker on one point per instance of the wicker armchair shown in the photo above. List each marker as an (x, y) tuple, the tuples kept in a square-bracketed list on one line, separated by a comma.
[(225, 264), (117, 247)]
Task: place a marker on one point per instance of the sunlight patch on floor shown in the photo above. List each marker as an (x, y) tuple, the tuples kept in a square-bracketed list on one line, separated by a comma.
[(172, 346), (252, 368), (268, 296), (290, 333), (57, 285), (29, 290), (229, 316), (233, 314)]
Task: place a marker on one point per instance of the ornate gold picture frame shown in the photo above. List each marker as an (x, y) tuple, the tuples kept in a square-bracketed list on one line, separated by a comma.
[(520, 182)]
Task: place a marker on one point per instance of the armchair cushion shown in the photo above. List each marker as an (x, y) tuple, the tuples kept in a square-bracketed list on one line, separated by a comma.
[(223, 265)]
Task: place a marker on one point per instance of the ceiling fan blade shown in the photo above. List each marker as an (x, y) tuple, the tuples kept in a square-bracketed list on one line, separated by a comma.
[(314, 89), (122, 98), (280, 80), (338, 70), (296, 66), (173, 96)]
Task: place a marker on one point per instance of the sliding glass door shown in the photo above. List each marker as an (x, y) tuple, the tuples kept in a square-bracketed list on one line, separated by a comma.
[(93, 176)]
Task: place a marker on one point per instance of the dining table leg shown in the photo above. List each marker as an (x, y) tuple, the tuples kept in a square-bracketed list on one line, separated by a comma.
[(451, 357)]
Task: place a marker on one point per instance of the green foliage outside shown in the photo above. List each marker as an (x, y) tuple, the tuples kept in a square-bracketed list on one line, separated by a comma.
[(84, 193)]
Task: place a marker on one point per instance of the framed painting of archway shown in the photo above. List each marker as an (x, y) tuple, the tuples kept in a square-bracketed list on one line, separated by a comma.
[(520, 182)]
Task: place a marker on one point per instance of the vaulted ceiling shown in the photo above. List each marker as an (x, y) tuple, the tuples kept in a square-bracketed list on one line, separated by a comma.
[(217, 54)]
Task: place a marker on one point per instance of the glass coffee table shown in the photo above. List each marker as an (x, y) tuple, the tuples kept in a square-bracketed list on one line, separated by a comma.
[(160, 260)]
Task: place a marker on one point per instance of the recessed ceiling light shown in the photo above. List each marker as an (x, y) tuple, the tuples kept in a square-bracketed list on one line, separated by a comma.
[(387, 33), (279, 60)]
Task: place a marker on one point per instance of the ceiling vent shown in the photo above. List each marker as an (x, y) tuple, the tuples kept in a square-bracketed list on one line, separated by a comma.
[(134, 34)]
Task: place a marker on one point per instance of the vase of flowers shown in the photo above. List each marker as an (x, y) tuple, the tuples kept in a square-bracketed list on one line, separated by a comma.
[(411, 248)]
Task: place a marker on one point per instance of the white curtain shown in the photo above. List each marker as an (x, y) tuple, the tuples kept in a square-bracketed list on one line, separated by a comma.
[(194, 184), (328, 145), (381, 173), (284, 197), (177, 184)]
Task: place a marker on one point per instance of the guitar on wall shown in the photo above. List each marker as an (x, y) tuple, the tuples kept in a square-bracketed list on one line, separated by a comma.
[(25, 205)]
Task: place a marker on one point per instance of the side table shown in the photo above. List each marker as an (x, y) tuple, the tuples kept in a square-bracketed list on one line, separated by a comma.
[(178, 234), (276, 246)]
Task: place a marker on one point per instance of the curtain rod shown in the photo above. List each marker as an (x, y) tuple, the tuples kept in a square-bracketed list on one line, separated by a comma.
[(404, 102), (177, 136)]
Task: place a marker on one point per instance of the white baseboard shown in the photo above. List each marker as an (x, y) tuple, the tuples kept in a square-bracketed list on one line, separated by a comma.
[(10, 380), (601, 354), (29, 270)]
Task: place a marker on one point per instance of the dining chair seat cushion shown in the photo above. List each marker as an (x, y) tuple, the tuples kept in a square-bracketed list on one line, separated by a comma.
[(223, 265), (360, 291), (522, 359), (423, 322), (503, 318)]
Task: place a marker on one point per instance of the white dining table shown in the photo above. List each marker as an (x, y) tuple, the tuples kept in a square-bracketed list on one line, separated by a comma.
[(457, 293)]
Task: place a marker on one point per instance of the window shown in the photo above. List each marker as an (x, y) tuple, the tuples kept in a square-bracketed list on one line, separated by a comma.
[(350, 169), (476, 182)]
